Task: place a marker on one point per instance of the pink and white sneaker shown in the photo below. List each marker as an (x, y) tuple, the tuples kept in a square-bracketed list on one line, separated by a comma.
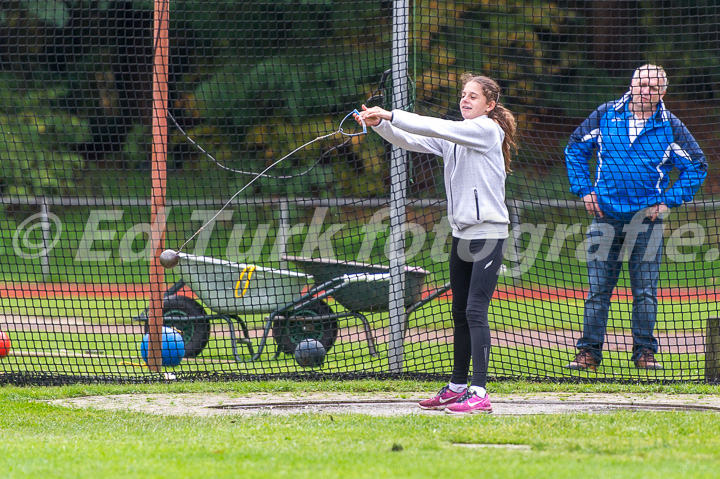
[(443, 398), (470, 403)]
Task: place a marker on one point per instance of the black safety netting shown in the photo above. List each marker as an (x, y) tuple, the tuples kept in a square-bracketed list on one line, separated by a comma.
[(223, 132)]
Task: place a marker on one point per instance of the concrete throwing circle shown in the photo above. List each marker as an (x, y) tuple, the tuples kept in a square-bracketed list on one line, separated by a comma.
[(383, 404)]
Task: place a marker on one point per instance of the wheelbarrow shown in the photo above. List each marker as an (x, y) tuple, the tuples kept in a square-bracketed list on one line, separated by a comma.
[(369, 296), (295, 301)]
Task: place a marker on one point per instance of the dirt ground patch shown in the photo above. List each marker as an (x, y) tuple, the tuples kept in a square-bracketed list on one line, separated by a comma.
[(383, 404)]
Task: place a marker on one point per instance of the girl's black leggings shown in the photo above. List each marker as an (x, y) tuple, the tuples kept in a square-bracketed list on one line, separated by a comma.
[(474, 267)]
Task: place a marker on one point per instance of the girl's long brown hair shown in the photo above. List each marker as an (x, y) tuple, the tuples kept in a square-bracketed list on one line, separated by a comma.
[(500, 114)]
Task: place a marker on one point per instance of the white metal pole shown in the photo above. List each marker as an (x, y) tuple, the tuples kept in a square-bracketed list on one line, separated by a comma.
[(46, 232), (398, 181), (283, 231)]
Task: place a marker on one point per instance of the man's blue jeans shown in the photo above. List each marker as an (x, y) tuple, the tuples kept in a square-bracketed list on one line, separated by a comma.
[(607, 239)]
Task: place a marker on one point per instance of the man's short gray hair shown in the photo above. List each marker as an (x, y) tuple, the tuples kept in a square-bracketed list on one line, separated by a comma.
[(660, 74)]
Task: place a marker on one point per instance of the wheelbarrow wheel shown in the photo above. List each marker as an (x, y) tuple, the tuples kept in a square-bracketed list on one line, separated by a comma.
[(290, 330), (195, 333)]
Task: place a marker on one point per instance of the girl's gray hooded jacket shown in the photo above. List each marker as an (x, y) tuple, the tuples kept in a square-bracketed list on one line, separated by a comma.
[(474, 167)]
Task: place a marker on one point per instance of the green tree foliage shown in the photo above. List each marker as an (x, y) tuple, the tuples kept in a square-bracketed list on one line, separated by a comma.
[(313, 76), (251, 78), (36, 141), (556, 60)]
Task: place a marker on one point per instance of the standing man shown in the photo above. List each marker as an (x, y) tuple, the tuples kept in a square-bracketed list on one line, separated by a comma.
[(638, 142)]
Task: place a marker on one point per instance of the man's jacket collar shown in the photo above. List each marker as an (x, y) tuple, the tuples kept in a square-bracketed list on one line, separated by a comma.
[(661, 113)]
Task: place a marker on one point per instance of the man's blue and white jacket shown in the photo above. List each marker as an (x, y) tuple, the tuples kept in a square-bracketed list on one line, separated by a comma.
[(630, 177)]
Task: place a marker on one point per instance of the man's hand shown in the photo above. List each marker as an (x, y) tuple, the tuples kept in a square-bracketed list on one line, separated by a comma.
[(591, 205), (655, 211)]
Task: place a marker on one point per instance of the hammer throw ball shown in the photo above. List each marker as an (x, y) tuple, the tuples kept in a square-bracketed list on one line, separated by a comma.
[(169, 259)]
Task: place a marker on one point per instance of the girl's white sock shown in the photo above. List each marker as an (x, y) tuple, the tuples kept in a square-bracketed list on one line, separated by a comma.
[(457, 388), (479, 390)]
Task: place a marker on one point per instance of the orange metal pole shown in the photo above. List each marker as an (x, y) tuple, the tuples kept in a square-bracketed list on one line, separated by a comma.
[(159, 177)]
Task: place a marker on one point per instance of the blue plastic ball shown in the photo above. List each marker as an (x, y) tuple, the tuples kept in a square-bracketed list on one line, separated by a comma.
[(173, 347)]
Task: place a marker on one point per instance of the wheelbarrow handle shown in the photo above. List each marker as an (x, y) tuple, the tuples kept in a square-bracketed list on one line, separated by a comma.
[(174, 288), (364, 277), (438, 292)]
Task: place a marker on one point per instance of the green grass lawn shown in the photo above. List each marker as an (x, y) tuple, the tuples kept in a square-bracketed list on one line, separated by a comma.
[(97, 349), (548, 257), (673, 316), (43, 440), (118, 356)]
